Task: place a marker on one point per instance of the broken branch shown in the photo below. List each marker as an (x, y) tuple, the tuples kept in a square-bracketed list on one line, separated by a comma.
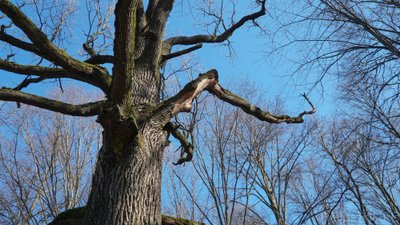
[(182, 102)]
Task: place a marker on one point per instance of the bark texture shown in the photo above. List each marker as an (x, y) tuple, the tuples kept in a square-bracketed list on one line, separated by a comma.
[(128, 190)]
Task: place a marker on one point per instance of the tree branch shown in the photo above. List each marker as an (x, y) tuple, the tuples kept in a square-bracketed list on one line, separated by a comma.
[(47, 73), (348, 13), (18, 43), (47, 49), (205, 38), (160, 11), (100, 59), (88, 109), (187, 147), (28, 80), (248, 108), (180, 53), (124, 50), (182, 102)]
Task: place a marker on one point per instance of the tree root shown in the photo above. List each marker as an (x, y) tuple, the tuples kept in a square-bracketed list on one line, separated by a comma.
[(76, 216)]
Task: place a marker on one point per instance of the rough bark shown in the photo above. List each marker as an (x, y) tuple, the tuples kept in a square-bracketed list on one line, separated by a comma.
[(127, 190)]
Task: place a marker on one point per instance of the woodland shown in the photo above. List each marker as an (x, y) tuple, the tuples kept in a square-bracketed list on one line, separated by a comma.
[(110, 112)]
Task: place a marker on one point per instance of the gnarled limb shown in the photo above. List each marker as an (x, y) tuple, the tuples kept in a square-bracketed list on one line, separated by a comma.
[(206, 38), (187, 147), (182, 102), (88, 109)]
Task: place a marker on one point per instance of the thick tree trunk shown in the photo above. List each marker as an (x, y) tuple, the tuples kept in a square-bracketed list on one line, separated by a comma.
[(128, 190)]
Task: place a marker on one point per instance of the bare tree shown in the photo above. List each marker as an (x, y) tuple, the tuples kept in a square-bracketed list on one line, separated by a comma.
[(46, 162), (127, 180), (245, 170), (367, 167)]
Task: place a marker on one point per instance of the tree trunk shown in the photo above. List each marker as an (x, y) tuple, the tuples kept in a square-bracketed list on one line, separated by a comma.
[(128, 190), (126, 185)]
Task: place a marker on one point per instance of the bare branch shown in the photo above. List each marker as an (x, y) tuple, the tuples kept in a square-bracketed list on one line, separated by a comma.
[(342, 9), (88, 109), (182, 102), (47, 49), (248, 108), (206, 38), (28, 80), (182, 52)]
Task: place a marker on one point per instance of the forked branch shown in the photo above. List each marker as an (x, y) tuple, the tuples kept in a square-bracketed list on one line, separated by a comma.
[(88, 109)]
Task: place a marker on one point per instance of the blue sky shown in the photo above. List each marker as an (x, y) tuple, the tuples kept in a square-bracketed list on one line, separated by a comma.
[(252, 61), (273, 73)]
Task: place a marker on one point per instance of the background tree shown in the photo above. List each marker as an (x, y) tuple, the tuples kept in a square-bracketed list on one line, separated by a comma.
[(356, 42), (245, 171), (46, 161), (134, 118)]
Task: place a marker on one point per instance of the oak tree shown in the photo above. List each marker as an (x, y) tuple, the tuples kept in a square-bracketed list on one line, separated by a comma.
[(136, 120)]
